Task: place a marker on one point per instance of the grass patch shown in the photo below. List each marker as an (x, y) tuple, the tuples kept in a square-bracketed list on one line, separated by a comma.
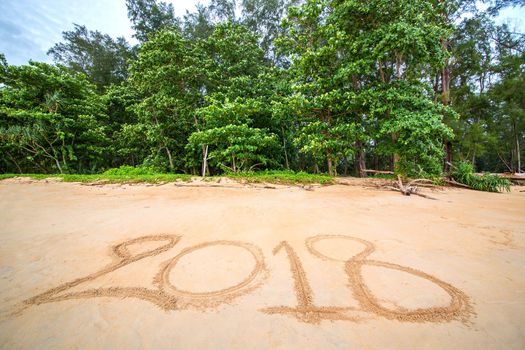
[(105, 178), (282, 177), (383, 176), (139, 176)]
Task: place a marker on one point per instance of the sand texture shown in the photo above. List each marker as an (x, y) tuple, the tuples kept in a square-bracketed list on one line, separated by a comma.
[(238, 266)]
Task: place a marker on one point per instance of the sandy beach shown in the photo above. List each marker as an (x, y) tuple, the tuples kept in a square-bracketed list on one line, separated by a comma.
[(236, 266)]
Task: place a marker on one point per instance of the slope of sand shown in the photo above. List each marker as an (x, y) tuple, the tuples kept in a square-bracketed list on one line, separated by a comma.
[(239, 267)]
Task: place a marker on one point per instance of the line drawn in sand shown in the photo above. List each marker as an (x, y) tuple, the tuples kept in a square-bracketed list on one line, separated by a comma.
[(166, 296), (213, 298), (459, 307), (305, 311), (122, 257)]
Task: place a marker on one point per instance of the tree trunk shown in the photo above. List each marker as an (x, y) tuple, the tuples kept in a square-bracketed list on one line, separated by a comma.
[(172, 166), (381, 72), (395, 156), (329, 162), (518, 153), (360, 164), (58, 165), (204, 160), (285, 152), (448, 156), (15, 162), (445, 99), (436, 87)]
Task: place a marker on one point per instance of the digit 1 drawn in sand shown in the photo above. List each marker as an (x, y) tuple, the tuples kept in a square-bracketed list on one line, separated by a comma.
[(305, 311), (210, 299), (458, 309), (122, 257)]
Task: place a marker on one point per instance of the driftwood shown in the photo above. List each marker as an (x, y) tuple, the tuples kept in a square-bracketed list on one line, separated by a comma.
[(379, 172), (455, 183), (515, 179), (410, 188)]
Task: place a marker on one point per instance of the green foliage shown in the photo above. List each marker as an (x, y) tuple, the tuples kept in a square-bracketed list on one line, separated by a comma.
[(488, 95), (129, 170), (282, 177), (417, 125), (102, 59), (357, 67), (166, 76), (51, 120), (464, 173), (339, 87), (235, 147), (149, 17)]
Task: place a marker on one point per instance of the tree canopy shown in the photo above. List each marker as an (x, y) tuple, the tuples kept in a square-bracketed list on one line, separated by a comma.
[(333, 86)]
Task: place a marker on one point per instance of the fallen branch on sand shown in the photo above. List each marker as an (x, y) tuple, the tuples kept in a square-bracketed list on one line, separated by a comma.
[(455, 183), (410, 188), (385, 172)]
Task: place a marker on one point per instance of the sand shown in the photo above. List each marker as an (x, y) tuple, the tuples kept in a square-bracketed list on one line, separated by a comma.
[(236, 266)]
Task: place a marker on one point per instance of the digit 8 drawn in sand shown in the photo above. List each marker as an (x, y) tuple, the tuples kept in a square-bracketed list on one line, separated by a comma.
[(209, 299), (459, 307)]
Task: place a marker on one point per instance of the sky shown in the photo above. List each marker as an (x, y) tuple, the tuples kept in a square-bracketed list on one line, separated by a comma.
[(29, 28)]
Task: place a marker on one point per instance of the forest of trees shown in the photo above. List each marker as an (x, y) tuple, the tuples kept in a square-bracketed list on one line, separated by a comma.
[(332, 86)]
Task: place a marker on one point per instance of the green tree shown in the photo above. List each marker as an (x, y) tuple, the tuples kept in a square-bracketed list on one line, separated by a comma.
[(235, 147), (264, 17), (168, 80), (233, 66), (150, 16), (103, 60), (198, 24), (51, 120)]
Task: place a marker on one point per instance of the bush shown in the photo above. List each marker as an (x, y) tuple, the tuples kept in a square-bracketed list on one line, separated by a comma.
[(464, 173)]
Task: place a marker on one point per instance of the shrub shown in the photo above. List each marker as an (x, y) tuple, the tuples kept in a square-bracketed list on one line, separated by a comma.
[(464, 173)]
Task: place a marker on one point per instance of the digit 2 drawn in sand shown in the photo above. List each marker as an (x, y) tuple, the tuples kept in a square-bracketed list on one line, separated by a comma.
[(166, 296), (458, 309)]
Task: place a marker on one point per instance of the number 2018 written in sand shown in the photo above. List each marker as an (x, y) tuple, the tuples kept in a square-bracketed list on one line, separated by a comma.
[(168, 296)]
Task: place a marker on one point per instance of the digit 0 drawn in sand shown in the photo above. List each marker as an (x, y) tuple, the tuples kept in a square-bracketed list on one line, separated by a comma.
[(306, 311), (166, 295), (213, 298), (459, 307)]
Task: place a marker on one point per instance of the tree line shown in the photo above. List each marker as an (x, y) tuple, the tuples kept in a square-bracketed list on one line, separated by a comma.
[(333, 86)]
